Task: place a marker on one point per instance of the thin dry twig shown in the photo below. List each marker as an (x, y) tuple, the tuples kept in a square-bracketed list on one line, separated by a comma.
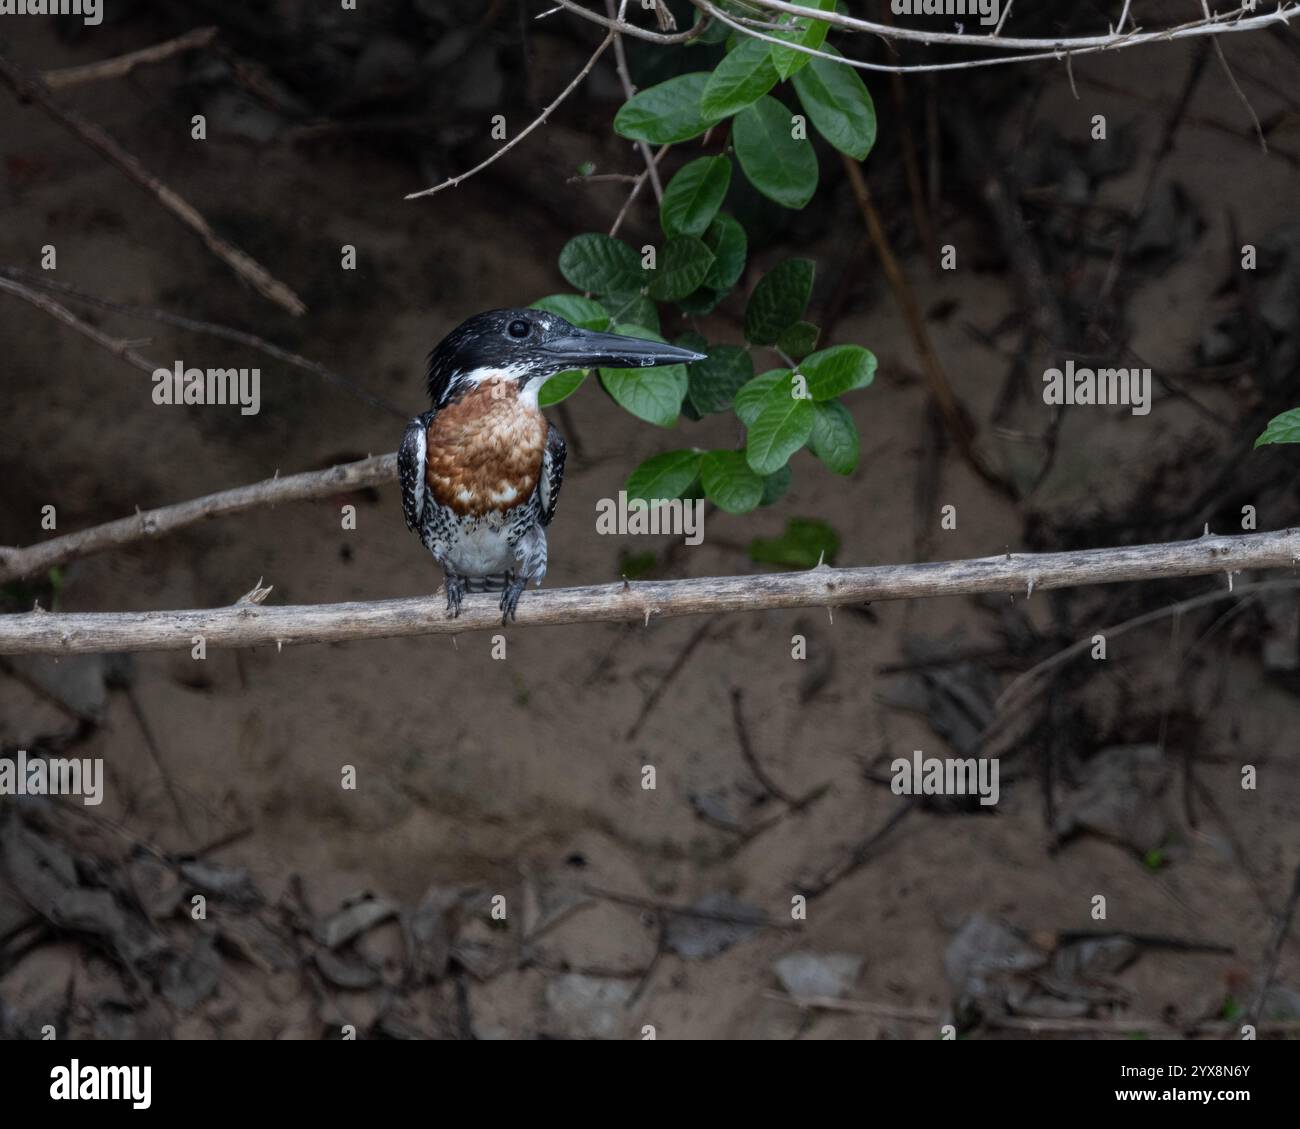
[(1055, 49), (652, 699), (147, 524), (122, 65), (243, 625), (1239, 19), (625, 77), (636, 191), (1232, 81), (1275, 951), (956, 419), (624, 28), (1027, 683), (540, 120), (29, 87), (117, 346), (770, 786), (208, 328)]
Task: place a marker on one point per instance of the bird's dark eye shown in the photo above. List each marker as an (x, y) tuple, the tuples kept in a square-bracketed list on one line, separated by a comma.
[(519, 328)]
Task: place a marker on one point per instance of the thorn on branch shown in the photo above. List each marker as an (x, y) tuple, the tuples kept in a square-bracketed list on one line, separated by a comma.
[(255, 595)]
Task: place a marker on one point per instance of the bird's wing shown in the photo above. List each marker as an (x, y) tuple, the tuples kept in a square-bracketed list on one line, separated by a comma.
[(410, 469), (552, 473)]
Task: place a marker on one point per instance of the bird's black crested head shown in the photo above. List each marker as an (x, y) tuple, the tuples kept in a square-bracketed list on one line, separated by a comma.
[(530, 345)]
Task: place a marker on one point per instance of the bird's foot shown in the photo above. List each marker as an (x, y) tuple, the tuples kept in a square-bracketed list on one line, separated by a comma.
[(510, 597), (455, 593)]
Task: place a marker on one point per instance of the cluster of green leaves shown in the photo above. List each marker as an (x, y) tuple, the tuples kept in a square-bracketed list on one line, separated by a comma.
[(701, 259)]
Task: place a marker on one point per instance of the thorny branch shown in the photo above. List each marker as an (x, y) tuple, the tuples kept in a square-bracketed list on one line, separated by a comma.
[(247, 623), (540, 120), (1039, 49), (17, 563)]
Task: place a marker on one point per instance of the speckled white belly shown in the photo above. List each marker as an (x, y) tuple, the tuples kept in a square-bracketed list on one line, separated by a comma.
[(482, 549)]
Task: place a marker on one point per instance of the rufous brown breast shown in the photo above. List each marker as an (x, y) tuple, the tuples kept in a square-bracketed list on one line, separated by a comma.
[(485, 450)]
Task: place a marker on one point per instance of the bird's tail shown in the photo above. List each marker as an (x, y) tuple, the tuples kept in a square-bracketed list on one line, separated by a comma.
[(496, 583)]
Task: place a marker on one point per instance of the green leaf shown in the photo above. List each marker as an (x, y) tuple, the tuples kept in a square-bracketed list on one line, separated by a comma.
[(600, 264), (585, 313), (630, 310), (781, 168), (739, 80), (834, 437), (1282, 429), (839, 369), (778, 301), (782, 426), (560, 386), (682, 265), (775, 485), (652, 394), (749, 400), (838, 104), (667, 113), (798, 340), (802, 545), (729, 483), (716, 380), (726, 239), (702, 301), (808, 33), (694, 196), (664, 476)]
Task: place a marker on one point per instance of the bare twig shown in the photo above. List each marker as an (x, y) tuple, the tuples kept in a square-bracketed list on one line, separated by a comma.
[(625, 28), (770, 786), (636, 190), (118, 347), (16, 563), (857, 858), (1239, 19), (195, 325), (160, 763), (1028, 682), (1275, 951), (697, 637), (1232, 81), (956, 420), (1054, 49), (29, 87), (1166, 146), (538, 121), (625, 77), (911, 165), (121, 65)]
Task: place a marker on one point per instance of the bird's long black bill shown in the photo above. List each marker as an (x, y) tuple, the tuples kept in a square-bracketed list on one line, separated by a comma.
[(588, 349)]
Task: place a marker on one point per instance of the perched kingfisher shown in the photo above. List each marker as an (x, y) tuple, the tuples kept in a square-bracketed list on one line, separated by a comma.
[(481, 470)]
